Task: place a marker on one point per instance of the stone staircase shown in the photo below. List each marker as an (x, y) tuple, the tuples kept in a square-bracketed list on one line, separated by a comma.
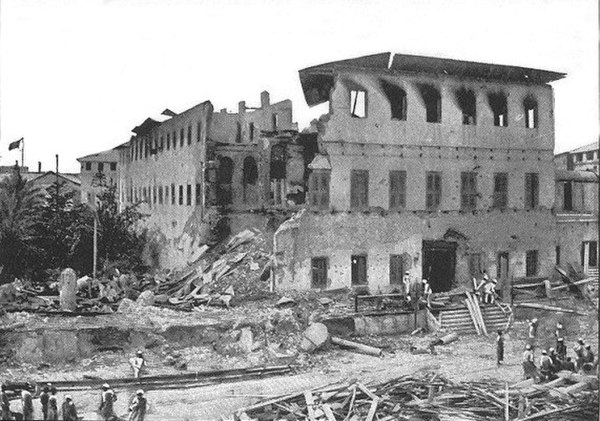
[(496, 316)]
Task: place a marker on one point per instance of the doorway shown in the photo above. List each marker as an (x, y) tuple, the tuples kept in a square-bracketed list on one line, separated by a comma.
[(439, 264)]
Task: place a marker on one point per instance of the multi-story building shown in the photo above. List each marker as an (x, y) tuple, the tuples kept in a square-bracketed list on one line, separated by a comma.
[(583, 158), (98, 170), (190, 169), (439, 167), (576, 210)]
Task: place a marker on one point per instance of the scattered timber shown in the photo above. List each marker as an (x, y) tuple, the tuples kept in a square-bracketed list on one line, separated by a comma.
[(422, 396), (550, 308)]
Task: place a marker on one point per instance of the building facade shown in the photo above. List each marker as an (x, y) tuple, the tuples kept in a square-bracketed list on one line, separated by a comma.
[(98, 171), (192, 169), (438, 167), (584, 158)]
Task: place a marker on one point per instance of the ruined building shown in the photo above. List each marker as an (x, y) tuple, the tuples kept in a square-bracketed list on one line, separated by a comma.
[(439, 167), (191, 169), (584, 158)]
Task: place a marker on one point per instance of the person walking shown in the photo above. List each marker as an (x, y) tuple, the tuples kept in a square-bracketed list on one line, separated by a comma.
[(137, 364), (69, 412), (138, 407), (52, 405), (107, 403), (27, 405), (426, 292), (407, 284), (500, 348), (44, 396), (4, 404)]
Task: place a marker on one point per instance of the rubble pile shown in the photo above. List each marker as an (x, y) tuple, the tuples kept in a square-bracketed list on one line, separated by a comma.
[(240, 268), (426, 396)]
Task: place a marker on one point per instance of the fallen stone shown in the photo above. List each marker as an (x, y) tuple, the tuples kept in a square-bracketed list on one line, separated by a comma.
[(83, 283), (325, 301), (146, 299), (246, 339), (285, 302), (314, 337), (254, 266), (127, 306), (161, 298)]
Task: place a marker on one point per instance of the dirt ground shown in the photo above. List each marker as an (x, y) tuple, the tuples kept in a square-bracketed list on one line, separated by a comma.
[(470, 358)]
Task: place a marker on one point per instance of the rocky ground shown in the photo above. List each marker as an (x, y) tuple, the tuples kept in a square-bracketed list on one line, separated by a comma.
[(260, 332)]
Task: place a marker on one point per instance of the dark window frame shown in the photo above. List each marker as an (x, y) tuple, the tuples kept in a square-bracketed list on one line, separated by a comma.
[(359, 189), (319, 189), (433, 190), (359, 270), (319, 269), (500, 197), (397, 189), (531, 263), (532, 190), (355, 101)]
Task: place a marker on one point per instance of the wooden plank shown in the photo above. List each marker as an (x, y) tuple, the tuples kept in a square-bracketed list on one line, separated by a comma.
[(479, 315), (366, 391), (545, 413), (583, 281), (372, 410), (310, 402), (550, 308), (472, 314), (328, 412)]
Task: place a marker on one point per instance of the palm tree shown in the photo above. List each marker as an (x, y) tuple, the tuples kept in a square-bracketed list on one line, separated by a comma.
[(20, 211)]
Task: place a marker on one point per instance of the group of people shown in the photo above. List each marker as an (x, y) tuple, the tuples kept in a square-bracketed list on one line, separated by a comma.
[(555, 359), (485, 290), (413, 291), (68, 411)]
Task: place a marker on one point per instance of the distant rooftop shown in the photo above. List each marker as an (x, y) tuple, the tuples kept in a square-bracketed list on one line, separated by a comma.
[(586, 148), (110, 155), (316, 79)]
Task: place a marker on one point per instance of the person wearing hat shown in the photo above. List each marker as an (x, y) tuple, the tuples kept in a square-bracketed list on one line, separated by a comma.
[(560, 331), (27, 405), (588, 354), (546, 366), (561, 349), (529, 368), (406, 283), (69, 412), (555, 361), (138, 407), (52, 405), (137, 364), (44, 396), (107, 403)]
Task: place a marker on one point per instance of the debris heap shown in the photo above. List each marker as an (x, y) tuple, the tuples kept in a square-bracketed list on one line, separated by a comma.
[(427, 396)]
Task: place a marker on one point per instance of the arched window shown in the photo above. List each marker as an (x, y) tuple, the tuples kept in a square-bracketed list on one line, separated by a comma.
[(467, 104), (433, 103), (499, 107), (397, 99), (250, 171), (530, 107)]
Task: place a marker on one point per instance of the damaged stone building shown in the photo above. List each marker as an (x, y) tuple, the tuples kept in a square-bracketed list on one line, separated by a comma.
[(439, 167), (189, 170)]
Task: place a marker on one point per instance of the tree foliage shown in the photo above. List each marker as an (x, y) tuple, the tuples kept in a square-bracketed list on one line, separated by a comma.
[(41, 232)]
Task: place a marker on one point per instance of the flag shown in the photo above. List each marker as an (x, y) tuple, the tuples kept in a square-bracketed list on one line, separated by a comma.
[(15, 144)]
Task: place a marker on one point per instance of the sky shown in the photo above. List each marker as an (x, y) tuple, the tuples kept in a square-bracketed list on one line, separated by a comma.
[(77, 75)]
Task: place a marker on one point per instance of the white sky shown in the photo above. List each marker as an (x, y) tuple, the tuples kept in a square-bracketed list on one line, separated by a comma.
[(77, 75)]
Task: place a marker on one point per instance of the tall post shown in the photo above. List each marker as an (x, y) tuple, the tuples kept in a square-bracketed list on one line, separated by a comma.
[(56, 182), (22, 152), (95, 244)]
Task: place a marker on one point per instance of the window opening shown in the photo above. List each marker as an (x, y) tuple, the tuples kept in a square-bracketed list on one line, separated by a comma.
[(467, 103), (433, 103), (397, 189), (499, 108), (500, 190), (359, 270), (358, 103), (531, 113), (397, 98), (359, 189), (319, 272), (433, 191)]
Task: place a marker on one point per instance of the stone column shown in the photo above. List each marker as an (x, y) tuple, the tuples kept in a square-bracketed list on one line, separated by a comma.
[(68, 290)]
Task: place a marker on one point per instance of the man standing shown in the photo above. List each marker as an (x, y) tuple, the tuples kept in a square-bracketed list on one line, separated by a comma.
[(546, 366), (4, 404), (44, 396), (579, 348), (138, 407), (500, 348), (561, 349), (427, 292), (53, 405), (529, 369), (406, 283), (27, 405), (69, 412), (533, 327), (137, 364), (107, 403)]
